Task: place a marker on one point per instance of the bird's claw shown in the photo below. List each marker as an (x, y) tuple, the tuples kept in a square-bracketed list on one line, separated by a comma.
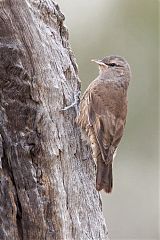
[(74, 104)]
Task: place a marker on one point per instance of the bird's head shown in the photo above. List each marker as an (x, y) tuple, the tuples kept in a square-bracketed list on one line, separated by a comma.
[(114, 66)]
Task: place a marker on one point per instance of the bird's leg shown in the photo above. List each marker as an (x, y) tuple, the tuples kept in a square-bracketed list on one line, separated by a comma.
[(75, 102), (94, 146)]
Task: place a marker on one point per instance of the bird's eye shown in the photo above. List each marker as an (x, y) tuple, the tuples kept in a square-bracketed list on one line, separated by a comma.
[(112, 64)]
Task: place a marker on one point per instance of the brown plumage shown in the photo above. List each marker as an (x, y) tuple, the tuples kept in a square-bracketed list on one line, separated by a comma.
[(103, 110)]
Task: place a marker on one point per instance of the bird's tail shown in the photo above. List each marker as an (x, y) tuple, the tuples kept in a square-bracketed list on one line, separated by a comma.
[(104, 178)]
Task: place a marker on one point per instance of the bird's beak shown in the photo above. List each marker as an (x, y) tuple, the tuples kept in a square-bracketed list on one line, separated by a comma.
[(99, 62)]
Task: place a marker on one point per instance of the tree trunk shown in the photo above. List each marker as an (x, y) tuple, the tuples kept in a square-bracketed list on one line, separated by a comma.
[(47, 175)]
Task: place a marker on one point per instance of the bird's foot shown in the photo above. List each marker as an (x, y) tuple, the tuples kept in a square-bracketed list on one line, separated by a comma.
[(75, 103)]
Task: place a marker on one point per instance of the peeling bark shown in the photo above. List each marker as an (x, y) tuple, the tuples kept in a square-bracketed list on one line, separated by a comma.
[(47, 190)]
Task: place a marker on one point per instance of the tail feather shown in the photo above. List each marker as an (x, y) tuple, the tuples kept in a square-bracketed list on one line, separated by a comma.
[(104, 178)]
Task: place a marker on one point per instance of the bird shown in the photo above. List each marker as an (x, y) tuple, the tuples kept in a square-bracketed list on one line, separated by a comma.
[(102, 115)]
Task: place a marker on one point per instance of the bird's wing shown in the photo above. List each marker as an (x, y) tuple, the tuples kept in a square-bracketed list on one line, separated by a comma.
[(107, 111)]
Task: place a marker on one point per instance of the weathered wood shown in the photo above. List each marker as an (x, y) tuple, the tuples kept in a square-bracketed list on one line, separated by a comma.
[(47, 190)]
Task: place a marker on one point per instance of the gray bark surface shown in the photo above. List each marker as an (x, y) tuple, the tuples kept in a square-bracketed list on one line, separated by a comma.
[(47, 175)]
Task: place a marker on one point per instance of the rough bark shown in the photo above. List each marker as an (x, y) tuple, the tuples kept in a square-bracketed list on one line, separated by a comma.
[(47, 175)]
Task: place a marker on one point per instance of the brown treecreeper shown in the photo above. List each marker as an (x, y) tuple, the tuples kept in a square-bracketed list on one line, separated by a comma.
[(102, 115)]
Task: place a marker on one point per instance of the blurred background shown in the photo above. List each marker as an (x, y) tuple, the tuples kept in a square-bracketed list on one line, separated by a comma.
[(128, 28)]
